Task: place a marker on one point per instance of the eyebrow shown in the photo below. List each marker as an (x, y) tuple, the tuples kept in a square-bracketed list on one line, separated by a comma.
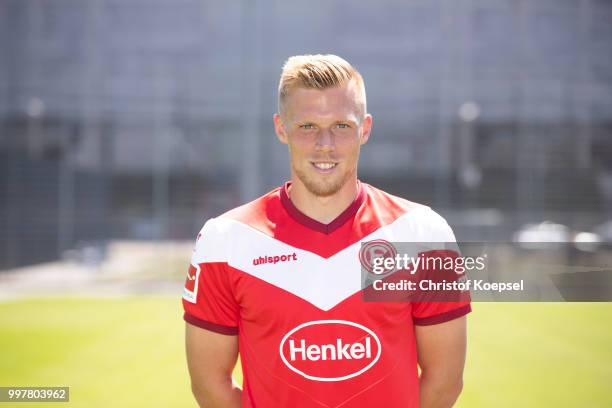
[(312, 121)]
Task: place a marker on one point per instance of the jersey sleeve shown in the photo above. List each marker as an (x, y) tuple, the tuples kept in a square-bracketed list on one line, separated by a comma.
[(429, 313), (208, 295), (446, 305)]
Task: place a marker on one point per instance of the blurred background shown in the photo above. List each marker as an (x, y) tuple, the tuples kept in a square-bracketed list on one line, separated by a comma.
[(139, 120), (124, 125)]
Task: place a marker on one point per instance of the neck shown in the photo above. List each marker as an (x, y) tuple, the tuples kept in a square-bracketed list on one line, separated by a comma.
[(322, 209)]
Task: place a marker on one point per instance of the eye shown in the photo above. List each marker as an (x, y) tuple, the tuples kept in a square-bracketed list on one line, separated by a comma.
[(342, 126), (307, 126)]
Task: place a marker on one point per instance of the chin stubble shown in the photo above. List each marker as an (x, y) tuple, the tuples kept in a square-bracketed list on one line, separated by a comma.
[(322, 189)]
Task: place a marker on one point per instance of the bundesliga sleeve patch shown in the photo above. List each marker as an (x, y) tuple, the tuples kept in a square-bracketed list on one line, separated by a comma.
[(190, 291)]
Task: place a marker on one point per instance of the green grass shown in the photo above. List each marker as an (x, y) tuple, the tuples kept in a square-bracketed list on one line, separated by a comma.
[(128, 352), (539, 355), (111, 352)]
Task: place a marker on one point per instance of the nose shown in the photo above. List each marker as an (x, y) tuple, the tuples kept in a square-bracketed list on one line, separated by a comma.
[(325, 140)]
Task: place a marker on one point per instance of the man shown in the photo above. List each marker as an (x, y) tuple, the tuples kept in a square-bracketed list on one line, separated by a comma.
[(279, 278)]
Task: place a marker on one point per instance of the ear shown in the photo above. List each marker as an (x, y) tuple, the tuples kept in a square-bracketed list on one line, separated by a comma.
[(279, 129), (366, 129)]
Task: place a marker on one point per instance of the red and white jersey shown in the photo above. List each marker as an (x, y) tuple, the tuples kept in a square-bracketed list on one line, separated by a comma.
[(290, 288)]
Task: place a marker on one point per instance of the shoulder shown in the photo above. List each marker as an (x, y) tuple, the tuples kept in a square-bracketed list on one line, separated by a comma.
[(415, 221), (389, 202), (258, 214)]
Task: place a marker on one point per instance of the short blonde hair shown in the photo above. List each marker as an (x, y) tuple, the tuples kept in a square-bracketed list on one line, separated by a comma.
[(319, 72)]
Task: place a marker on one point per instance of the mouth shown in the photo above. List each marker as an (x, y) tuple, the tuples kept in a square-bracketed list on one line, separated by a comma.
[(324, 167)]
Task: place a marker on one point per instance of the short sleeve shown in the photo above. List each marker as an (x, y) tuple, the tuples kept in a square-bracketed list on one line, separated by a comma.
[(208, 295), (446, 304), (430, 313)]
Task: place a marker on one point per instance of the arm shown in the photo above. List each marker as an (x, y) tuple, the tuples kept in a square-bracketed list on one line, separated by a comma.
[(441, 354), (211, 357)]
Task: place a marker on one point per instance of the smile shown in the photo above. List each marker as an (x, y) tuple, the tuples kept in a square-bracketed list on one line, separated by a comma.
[(324, 165)]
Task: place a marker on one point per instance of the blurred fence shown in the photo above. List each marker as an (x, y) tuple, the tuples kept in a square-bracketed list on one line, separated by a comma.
[(138, 120)]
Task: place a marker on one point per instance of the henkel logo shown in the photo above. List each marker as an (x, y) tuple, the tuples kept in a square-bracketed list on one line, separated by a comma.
[(330, 350), (275, 259)]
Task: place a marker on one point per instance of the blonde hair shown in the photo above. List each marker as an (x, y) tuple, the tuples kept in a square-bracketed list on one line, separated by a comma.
[(319, 72)]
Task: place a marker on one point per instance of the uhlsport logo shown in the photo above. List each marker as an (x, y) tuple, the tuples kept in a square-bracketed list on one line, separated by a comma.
[(274, 259), (371, 250), (330, 350)]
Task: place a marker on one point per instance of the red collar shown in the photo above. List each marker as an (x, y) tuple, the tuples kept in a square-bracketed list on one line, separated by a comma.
[(311, 223)]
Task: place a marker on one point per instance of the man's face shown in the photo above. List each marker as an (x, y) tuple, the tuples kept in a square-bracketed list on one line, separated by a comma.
[(324, 130)]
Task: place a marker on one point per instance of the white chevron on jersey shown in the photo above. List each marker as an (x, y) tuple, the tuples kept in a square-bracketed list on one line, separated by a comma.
[(322, 282)]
